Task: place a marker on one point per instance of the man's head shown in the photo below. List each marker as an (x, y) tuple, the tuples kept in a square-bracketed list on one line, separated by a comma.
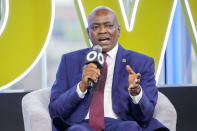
[(103, 28)]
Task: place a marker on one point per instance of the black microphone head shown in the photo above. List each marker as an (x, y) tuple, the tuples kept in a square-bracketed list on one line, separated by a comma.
[(95, 56), (97, 48)]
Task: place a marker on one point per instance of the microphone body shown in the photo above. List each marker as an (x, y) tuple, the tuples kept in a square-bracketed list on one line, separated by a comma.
[(95, 56)]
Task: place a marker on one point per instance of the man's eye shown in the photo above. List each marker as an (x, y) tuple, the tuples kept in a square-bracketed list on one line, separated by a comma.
[(109, 26), (94, 27)]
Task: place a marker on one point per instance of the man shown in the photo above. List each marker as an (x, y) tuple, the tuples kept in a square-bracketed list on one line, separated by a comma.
[(127, 92)]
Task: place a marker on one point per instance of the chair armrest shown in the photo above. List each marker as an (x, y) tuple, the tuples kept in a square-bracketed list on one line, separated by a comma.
[(35, 111), (165, 112)]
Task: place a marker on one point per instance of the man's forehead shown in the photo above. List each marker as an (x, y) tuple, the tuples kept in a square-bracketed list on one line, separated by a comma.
[(101, 16), (101, 9), (97, 20), (101, 13)]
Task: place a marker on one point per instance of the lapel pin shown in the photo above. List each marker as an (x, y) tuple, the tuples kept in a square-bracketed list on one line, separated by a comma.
[(124, 60)]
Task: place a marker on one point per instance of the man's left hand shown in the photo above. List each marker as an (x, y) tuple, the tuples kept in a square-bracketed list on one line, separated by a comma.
[(134, 81)]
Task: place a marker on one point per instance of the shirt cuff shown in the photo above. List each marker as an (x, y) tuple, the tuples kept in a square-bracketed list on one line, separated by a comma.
[(80, 93), (137, 98)]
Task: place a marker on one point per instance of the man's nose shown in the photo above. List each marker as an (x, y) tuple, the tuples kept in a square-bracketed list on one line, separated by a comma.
[(102, 29)]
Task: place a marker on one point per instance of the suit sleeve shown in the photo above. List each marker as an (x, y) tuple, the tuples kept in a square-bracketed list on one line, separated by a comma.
[(143, 111), (64, 99)]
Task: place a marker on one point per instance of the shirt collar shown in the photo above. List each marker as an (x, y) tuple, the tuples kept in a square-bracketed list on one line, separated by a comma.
[(112, 53)]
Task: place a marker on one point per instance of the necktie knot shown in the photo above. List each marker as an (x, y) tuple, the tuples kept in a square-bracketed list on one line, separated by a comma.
[(105, 56)]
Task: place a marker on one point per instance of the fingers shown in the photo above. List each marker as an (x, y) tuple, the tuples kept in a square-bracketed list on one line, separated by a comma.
[(134, 87), (90, 71), (134, 81), (129, 69), (92, 67), (131, 86), (137, 81), (134, 91), (138, 76)]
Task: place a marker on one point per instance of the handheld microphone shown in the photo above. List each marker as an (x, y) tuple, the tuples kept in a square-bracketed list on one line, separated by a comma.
[(95, 56)]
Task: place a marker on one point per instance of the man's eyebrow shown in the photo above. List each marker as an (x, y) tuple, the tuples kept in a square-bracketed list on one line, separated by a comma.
[(108, 23), (95, 24)]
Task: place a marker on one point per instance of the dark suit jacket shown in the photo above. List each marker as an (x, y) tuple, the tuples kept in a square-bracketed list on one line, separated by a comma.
[(67, 108)]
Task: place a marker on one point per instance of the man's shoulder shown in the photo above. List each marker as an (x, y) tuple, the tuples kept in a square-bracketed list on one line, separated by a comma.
[(137, 55), (139, 61), (132, 54)]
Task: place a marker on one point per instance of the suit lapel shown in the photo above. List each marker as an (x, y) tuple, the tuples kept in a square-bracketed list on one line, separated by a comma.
[(81, 58), (119, 70)]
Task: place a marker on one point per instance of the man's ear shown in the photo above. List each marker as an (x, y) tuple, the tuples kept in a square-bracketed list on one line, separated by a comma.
[(87, 30), (119, 30)]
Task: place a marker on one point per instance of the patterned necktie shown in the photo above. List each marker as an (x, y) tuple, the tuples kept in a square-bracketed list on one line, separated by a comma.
[(96, 120)]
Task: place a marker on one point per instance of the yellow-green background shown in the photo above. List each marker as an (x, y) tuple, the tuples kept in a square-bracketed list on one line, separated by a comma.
[(24, 36)]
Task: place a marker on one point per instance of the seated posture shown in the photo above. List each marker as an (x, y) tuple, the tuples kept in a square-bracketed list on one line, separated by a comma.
[(124, 92)]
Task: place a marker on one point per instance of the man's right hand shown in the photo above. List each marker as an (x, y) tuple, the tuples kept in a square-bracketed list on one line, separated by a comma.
[(89, 71)]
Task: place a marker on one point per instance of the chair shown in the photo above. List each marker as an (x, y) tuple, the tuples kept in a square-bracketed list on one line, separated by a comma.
[(36, 115), (35, 110)]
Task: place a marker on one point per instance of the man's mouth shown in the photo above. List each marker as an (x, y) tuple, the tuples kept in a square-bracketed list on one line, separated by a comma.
[(103, 39)]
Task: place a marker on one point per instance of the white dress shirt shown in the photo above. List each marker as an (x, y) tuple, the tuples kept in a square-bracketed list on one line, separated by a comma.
[(108, 111)]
